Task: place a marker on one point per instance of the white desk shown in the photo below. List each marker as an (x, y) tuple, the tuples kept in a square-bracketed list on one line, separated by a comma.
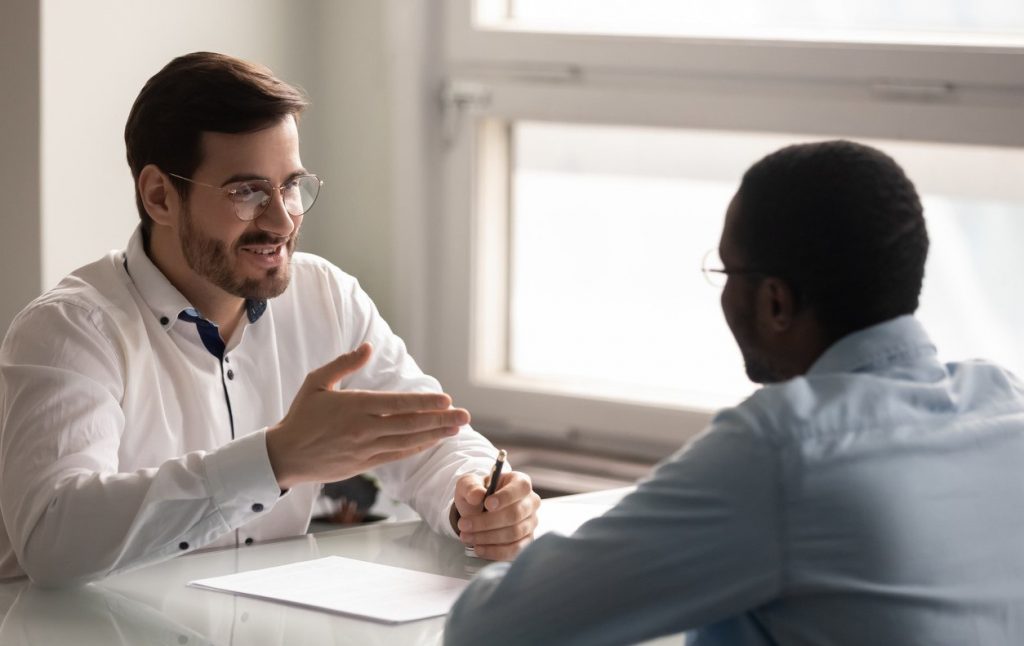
[(153, 605)]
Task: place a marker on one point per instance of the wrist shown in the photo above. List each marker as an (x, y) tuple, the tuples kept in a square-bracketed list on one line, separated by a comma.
[(453, 519)]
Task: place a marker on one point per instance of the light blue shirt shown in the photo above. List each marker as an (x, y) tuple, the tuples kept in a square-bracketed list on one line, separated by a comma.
[(877, 500)]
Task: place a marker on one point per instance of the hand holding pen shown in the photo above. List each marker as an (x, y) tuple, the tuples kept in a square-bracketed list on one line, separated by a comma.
[(497, 519)]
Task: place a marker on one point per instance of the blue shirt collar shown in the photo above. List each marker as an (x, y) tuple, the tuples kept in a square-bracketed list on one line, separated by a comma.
[(163, 299), (873, 348)]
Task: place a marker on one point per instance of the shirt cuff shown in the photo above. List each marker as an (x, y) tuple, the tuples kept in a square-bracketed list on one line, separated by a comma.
[(240, 479), (447, 528)]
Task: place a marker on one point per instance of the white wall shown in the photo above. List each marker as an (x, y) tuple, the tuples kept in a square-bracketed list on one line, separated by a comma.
[(95, 57), (351, 143)]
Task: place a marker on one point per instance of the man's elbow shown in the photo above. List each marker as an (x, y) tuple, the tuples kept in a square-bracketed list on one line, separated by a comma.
[(53, 563), (50, 571)]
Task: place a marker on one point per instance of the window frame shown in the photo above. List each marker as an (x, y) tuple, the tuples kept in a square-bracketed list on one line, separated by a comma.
[(962, 94)]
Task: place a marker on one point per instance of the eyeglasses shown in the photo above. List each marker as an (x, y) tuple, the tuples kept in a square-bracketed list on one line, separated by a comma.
[(715, 272), (251, 197)]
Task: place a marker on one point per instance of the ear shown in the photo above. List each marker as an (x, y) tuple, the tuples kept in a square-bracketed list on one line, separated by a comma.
[(776, 305), (159, 196)]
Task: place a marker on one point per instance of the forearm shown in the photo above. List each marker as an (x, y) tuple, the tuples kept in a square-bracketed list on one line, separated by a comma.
[(79, 525), (568, 591), (697, 542)]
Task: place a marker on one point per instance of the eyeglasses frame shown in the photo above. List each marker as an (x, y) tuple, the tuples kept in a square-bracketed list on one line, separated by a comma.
[(228, 192), (707, 271)]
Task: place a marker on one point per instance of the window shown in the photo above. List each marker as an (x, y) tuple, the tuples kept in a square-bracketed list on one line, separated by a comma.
[(591, 157), (898, 21)]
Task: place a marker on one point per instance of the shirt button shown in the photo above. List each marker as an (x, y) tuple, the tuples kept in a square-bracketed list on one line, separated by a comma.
[(248, 541), (257, 506), (231, 374), (164, 320), (227, 359), (183, 545)]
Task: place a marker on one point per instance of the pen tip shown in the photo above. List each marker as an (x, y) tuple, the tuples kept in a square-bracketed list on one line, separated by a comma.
[(502, 454)]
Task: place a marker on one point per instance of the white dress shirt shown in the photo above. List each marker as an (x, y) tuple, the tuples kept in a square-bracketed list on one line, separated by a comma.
[(124, 440)]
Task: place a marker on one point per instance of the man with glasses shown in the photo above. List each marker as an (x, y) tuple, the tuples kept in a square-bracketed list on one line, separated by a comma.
[(195, 389), (867, 494)]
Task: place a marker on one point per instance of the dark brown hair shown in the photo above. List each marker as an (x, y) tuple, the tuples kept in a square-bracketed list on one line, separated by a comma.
[(196, 93)]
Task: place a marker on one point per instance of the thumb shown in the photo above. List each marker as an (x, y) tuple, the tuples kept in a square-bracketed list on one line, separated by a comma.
[(327, 375)]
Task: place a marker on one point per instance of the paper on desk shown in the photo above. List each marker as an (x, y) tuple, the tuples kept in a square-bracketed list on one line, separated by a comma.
[(565, 517), (347, 586)]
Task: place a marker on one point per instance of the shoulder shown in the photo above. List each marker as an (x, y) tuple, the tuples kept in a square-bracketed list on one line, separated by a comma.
[(316, 279), (307, 267), (87, 294), (93, 303), (781, 413), (984, 385)]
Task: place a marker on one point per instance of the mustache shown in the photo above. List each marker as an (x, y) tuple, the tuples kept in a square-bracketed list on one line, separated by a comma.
[(263, 238)]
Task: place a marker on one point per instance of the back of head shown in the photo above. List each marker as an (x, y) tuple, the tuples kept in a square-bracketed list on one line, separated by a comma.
[(196, 93), (842, 224)]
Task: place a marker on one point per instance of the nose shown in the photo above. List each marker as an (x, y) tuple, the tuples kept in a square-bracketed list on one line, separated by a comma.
[(276, 219)]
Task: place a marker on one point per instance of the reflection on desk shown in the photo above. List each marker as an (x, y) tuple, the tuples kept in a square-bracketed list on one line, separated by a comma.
[(152, 605)]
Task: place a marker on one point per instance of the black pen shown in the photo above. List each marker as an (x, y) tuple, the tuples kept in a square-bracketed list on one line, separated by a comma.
[(492, 486)]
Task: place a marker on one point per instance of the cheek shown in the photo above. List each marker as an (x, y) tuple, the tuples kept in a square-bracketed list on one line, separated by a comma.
[(728, 302), (734, 308)]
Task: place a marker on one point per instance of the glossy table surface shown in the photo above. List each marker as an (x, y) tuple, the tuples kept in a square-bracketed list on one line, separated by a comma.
[(153, 605)]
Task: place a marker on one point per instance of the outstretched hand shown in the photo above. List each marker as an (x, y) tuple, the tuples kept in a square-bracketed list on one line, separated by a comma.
[(330, 435)]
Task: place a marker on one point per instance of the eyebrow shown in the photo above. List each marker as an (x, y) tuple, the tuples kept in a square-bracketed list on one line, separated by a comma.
[(245, 177)]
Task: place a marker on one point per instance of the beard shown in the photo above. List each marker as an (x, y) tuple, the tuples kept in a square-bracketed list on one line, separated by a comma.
[(211, 259), (739, 316), (760, 369)]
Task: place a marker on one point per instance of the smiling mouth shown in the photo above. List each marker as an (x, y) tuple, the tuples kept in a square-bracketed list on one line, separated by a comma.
[(262, 251)]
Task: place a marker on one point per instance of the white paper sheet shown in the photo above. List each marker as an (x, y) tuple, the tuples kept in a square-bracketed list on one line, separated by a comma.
[(347, 586), (565, 517)]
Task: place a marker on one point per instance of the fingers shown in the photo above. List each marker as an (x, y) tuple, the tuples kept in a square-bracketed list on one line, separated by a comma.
[(514, 486), (411, 441), (414, 422), (469, 493), (523, 511), (500, 536), (395, 403), (331, 373), (505, 552), (505, 533), (419, 443)]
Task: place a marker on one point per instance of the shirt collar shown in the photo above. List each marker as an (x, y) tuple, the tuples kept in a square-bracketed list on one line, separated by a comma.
[(163, 298), (902, 338)]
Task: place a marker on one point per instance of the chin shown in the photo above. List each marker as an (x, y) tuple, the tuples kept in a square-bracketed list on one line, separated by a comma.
[(762, 372), (271, 285)]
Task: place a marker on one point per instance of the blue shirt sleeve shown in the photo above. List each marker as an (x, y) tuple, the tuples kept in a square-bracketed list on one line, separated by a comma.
[(697, 542)]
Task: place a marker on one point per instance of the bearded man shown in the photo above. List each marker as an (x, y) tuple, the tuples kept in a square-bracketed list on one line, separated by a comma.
[(194, 390)]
